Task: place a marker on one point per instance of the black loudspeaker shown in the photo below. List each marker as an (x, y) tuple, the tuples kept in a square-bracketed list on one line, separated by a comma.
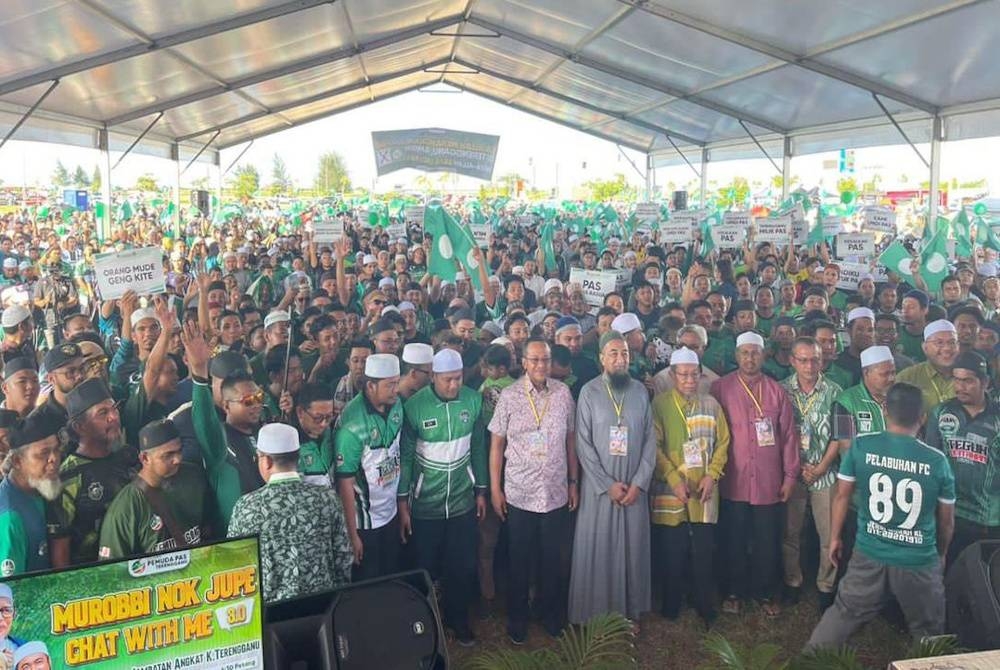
[(972, 588), (200, 200), (680, 199), (388, 623)]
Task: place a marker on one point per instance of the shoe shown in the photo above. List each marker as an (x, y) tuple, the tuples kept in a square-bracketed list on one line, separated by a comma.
[(517, 637), (731, 605), (825, 601), (465, 638), (790, 594), (554, 631)]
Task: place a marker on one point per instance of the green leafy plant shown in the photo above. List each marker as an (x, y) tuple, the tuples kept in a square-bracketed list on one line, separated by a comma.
[(759, 657), (603, 643)]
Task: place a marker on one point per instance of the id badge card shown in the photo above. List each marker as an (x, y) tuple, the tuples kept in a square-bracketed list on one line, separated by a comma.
[(805, 438), (692, 454), (618, 442), (765, 432), (536, 445)]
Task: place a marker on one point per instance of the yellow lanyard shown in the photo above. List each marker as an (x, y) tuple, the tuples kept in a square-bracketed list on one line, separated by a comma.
[(684, 415), (930, 378), (531, 401), (804, 413), (760, 410), (619, 406)]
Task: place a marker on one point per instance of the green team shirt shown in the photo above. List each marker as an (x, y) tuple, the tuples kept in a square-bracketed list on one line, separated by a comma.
[(367, 448), (316, 458), (720, 355), (131, 527), (491, 390), (443, 456), (899, 482), (856, 413), (89, 486), (138, 411), (972, 446)]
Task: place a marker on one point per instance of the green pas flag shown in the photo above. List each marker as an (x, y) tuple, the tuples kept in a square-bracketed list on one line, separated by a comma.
[(452, 242), (42, 212), (934, 260), (985, 235), (124, 212), (897, 259), (963, 234), (707, 243), (99, 210), (547, 232)]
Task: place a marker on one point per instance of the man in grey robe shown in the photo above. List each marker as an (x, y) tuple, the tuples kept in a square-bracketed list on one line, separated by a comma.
[(616, 445)]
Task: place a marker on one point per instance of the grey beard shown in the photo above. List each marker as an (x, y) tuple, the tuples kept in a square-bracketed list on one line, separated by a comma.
[(47, 488), (619, 380)]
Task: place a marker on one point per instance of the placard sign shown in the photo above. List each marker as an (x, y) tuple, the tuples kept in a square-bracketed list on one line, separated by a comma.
[(526, 220), (689, 217), (880, 220), (327, 230), (774, 229), (855, 244), (397, 229), (729, 236), (851, 274), (595, 285), (414, 215), (481, 233), (674, 232), (741, 218), (832, 225), (195, 609), (647, 211), (139, 270), (624, 278), (800, 230)]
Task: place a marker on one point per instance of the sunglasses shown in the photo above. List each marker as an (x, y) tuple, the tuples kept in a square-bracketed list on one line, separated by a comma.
[(251, 400)]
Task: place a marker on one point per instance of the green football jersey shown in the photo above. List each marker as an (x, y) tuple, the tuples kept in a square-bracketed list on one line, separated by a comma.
[(899, 482)]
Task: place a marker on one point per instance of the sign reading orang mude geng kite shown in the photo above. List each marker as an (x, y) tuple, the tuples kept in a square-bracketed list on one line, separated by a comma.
[(435, 150)]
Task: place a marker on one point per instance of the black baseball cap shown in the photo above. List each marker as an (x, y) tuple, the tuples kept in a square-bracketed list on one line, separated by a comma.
[(157, 433), (974, 362), (61, 355), (15, 365)]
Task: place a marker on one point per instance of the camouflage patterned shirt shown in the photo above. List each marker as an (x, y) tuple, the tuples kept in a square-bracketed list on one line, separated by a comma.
[(303, 537)]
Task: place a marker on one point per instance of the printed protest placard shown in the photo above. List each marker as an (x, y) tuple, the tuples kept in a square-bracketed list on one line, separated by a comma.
[(595, 285), (728, 236), (879, 220), (139, 270), (851, 274), (832, 225), (740, 218), (481, 233), (197, 609), (647, 211), (327, 230), (774, 230), (674, 232), (414, 215), (689, 217), (855, 244)]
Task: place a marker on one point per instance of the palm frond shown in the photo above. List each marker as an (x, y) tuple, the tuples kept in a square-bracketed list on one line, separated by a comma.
[(826, 658), (511, 659), (604, 642), (729, 657), (765, 657), (935, 645)]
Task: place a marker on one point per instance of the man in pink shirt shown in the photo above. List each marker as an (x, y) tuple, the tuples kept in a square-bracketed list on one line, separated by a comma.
[(760, 475)]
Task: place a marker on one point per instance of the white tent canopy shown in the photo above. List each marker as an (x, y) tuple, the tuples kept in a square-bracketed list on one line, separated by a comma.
[(709, 78)]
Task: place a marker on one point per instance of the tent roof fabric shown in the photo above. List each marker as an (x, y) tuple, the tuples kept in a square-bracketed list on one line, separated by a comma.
[(646, 74)]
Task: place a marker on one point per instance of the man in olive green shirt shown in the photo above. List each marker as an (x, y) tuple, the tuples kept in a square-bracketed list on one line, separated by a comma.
[(933, 376)]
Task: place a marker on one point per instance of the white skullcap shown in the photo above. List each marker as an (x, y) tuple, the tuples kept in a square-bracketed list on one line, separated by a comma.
[(407, 306), (875, 355), (447, 360), (5, 592), (243, 250), (400, 257), (389, 308), (10, 262), (860, 313), (461, 276), (417, 353), (386, 281), (750, 338), (819, 268), (625, 323), (629, 254), (683, 356), (30, 649), (517, 270), (24, 265), (228, 254), (381, 366), (401, 240), (368, 259), (573, 238), (503, 339), (277, 316), (939, 326), (446, 282), (14, 315), (552, 284), (493, 328), (141, 314), (277, 438)]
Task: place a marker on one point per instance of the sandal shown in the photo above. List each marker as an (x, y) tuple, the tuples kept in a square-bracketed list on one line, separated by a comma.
[(731, 605), (771, 608)]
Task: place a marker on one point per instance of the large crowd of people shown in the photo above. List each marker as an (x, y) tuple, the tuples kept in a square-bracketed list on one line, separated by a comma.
[(363, 415)]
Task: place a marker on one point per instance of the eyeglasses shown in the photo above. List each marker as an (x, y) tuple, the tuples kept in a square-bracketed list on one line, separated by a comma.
[(75, 371), (941, 345), (812, 360), (538, 361), (251, 399), (7, 612), (320, 418)]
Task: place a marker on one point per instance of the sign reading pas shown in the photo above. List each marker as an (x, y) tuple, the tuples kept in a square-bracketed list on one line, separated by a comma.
[(435, 150), (199, 608)]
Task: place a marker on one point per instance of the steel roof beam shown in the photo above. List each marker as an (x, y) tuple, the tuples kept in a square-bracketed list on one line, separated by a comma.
[(340, 90), (289, 68), (323, 115), (547, 117), (618, 116), (633, 77), (158, 44), (788, 57)]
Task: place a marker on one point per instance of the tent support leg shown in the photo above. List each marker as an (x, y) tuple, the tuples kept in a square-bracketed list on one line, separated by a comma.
[(759, 146), (175, 155), (137, 140), (681, 154), (231, 165), (649, 176), (902, 132), (786, 168), (201, 151), (31, 110), (104, 224), (703, 188), (935, 168)]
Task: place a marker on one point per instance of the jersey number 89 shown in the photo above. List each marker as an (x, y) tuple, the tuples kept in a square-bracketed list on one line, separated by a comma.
[(908, 496)]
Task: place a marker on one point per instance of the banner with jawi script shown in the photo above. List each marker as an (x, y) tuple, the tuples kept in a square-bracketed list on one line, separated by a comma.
[(435, 150)]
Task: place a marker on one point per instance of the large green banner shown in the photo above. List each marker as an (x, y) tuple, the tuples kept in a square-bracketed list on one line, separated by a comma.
[(196, 608), (435, 150)]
